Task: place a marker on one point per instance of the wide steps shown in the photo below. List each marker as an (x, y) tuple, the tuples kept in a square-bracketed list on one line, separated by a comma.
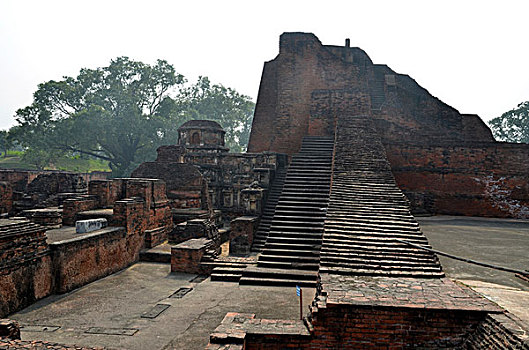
[(395, 272)]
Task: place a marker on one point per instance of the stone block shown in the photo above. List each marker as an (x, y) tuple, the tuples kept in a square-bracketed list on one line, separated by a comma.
[(186, 256), (85, 226), (242, 233)]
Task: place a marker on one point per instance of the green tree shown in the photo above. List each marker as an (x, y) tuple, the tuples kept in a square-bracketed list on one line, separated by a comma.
[(512, 126), (123, 112), (109, 113), (6, 141)]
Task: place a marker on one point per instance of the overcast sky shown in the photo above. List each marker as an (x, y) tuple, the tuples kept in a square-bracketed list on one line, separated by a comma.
[(472, 55)]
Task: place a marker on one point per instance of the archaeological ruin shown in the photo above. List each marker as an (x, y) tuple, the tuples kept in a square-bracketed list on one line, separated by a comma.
[(343, 155)]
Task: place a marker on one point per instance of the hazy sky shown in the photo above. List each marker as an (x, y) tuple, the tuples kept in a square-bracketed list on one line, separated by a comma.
[(472, 55)]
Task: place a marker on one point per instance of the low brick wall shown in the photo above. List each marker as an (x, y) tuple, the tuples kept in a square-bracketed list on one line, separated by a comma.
[(80, 260), (75, 205), (25, 265), (186, 256), (500, 331)]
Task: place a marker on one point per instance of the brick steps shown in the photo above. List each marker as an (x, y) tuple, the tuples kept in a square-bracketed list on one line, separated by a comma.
[(294, 239), (367, 212), (279, 277), (269, 210)]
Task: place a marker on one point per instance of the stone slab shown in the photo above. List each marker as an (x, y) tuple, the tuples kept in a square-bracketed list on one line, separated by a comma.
[(416, 293), (90, 225)]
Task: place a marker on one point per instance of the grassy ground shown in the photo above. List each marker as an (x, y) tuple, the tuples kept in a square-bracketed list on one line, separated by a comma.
[(75, 164)]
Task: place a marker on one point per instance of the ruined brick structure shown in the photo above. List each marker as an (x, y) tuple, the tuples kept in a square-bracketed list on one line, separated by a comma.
[(200, 168), (444, 161), (342, 224), (35, 263), (30, 189), (365, 146)]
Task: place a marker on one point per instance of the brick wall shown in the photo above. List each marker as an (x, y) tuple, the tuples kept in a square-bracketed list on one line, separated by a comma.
[(500, 331), (81, 260), (186, 256), (75, 205), (20, 179), (283, 110), (488, 179), (6, 197), (25, 265), (242, 231), (354, 327)]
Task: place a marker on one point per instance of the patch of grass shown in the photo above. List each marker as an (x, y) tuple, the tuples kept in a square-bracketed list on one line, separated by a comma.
[(81, 165), (74, 164), (15, 162)]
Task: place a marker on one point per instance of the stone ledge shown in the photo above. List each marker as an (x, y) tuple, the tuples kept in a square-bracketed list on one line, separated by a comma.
[(236, 326), (67, 235), (415, 293)]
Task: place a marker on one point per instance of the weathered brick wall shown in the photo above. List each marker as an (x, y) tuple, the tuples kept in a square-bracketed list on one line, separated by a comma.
[(6, 197), (25, 265), (327, 105), (130, 213), (352, 327), (242, 231), (348, 327), (75, 205), (186, 257), (499, 331), (488, 179), (20, 179), (185, 184), (282, 115), (79, 261)]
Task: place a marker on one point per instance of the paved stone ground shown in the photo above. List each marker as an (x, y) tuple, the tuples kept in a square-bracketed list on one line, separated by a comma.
[(498, 241), (118, 302)]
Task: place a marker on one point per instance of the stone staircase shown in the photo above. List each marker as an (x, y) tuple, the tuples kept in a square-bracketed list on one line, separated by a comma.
[(376, 87), (269, 210), (367, 212), (290, 255)]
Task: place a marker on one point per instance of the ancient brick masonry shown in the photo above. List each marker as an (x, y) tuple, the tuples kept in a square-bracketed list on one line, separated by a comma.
[(367, 211), (25, 265), (41, 189), (499, 331), (201, 173), (479, 179), (308, 85)]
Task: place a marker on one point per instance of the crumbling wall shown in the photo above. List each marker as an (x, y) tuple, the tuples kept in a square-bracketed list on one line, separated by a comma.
[(488, 179), (6, 197), (186, 187), (25, 265)]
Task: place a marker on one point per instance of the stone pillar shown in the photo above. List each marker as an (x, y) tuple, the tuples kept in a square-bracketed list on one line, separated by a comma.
[(130, 213), (75, 205)]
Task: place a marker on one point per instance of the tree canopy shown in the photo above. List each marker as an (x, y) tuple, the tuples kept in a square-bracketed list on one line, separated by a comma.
[(123, 112), (512, 126)]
